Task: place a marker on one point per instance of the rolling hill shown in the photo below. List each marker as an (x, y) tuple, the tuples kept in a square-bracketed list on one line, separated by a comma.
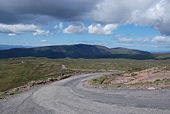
[(76, 51)]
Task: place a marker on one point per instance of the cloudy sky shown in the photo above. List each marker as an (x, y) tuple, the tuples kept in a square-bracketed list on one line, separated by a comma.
[(138, 24)]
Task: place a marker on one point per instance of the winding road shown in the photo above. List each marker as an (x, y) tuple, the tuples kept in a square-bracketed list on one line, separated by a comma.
[(69, 96)]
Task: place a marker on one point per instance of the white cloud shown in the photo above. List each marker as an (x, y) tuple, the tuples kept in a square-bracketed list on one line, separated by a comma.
[(126, 39), (153, 13), (41, 32), (43, 40), (11, 34), (17, 28), (134, 39), (160, 39), (118, 11), (12, 30), (56, 26), (60, 25), (99, 29), (74, 29), (157, 16)]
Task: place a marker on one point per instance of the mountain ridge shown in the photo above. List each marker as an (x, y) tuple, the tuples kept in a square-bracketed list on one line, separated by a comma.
[(74, 51)]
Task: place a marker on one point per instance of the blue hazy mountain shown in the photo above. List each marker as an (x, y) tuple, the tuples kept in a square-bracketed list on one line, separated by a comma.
[(6, 47)]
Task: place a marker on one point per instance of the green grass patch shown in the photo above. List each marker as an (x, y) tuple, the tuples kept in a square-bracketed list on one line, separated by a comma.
[(16, 72)]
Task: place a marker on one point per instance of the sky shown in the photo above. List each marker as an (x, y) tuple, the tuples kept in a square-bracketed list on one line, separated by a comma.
[(135, 24)]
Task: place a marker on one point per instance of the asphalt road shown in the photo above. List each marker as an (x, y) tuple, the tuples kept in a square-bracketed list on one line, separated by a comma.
[(69, 96)]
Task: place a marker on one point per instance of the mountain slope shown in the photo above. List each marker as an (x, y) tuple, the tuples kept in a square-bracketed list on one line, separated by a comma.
[(120, 50), (6, 47), (73, 51)]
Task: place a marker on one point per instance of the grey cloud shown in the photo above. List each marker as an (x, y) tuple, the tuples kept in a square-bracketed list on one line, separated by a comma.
[(153, 13), (13, 11), (74, 29), (164, 28), (8, 18)]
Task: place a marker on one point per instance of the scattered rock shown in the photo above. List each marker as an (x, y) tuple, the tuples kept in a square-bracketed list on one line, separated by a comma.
[(10, 92), (39, 82), (31, 84), (151, 88), (50, 80), (63, 77), (118, 86), (63, 67), (131, 79)]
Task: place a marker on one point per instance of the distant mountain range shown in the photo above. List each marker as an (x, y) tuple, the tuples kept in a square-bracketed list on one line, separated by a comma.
[(76, 51), (6, 47)]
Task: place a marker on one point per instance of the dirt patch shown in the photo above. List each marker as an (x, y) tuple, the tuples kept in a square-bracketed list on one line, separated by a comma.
[(153, 78), (149, 75)]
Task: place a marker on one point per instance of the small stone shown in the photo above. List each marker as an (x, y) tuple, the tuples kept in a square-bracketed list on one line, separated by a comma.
[(49, 79), (32, 83), (118, 86), (151, 88)]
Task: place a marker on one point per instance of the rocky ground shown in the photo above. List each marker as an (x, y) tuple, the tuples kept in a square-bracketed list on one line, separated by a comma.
[(153, 78)]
